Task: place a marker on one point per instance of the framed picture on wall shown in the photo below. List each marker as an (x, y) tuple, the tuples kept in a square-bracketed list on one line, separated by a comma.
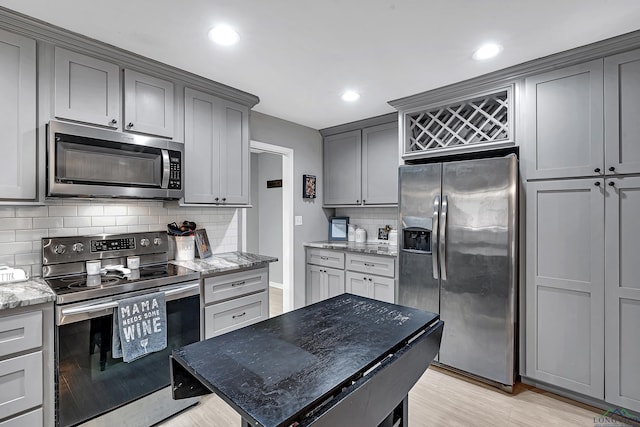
[(308, 186), (202, 243)]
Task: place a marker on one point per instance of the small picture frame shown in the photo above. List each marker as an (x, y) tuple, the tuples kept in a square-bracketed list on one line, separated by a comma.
[(338, 228), (202, 243), (308, 186)]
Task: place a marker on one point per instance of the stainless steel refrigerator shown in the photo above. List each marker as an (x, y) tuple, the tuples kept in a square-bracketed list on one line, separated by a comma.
[(457, 257)]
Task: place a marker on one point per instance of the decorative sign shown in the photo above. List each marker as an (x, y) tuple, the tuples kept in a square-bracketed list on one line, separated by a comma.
[(308, 186), (274, 183)]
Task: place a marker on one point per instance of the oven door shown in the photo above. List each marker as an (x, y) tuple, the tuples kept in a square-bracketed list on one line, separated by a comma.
[(89, 381)]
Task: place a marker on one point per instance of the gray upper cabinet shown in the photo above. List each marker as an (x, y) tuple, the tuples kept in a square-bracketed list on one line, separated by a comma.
[(342, 168), (148, 104), (564, 122), (565, 284), (216, 150), (18, 181), (622, 103), (622, 284), (87, 89), (361, 166), (380, 164)]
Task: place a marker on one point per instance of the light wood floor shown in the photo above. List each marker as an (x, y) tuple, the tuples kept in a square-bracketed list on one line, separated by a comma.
[(440, 398)]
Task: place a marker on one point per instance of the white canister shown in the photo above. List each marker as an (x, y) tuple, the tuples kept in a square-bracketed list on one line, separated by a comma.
[(361, 235), (133, 262), (93, 267), (351, 234), (393, 237)]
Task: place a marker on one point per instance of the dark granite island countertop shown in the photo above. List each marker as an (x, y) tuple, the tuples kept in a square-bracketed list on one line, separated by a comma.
[(275, 372)]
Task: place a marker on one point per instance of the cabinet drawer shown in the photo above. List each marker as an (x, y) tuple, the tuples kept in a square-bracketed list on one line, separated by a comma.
[(20, 383), (236, 313), (31, 419), (20, 332), (380, 265), (227, 286), (325, 258)]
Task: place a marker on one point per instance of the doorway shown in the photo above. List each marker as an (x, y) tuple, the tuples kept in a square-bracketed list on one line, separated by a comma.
[(267, 228)]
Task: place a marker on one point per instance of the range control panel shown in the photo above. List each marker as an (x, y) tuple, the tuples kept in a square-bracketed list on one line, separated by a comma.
[(113, 244)]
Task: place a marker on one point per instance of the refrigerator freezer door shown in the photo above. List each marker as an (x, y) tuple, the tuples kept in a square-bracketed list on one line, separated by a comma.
[(419, 189), (478, 295)]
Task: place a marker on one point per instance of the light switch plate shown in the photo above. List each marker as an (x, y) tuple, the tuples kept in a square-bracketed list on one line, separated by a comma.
[(298, 220)]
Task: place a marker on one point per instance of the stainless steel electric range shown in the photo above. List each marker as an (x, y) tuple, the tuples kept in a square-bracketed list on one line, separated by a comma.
[(91, 386)]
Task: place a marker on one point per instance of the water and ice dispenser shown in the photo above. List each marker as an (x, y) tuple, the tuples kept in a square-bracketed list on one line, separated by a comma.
[(417, 234)]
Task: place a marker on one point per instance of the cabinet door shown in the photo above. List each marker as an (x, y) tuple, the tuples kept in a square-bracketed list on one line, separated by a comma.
[(358, 284), (148, 104), (87, 89), (18, 180), (314, 283), (622, 282), (201, 151), (380, 164), (565, 284), (564, 122), (335, 282), (234, 152), (622, 103), (382, 288), (342, 169)]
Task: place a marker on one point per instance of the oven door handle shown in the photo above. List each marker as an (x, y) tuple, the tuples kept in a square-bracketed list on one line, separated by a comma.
[(170, 295)]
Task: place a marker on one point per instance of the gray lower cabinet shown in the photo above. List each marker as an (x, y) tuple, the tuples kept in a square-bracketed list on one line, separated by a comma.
[(361, 166), (26, 366), (148, 104), (216, 150), (324, 275), (234, 300), (622, 299), (18, 181), (87, 89)]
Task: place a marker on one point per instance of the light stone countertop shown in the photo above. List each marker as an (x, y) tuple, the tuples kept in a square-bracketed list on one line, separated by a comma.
[(227, 262), (21, 294), (373, 248)]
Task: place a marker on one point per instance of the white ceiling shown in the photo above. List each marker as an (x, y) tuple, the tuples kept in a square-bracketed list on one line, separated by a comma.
[(298, 56)]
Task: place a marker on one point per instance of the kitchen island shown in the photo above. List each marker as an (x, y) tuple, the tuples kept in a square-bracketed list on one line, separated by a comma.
[(348, 360)]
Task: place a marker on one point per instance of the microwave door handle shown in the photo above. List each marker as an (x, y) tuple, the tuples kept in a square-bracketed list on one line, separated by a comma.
[(434, 235), (166, 168)]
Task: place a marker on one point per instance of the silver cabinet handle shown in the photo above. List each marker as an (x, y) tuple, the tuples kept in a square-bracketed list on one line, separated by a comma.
[(235, 316), (324, 258), (434, 235), (113, 122), (130, 125), (442, 241), (366, 264), (238, 283)]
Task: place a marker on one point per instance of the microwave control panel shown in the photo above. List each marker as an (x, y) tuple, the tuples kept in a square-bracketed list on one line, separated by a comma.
[(175, 170)]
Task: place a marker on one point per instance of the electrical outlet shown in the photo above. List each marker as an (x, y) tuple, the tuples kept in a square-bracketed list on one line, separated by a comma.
[(298, 220)]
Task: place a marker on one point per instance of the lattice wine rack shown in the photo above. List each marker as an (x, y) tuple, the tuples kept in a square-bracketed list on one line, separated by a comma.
[(484, 119)]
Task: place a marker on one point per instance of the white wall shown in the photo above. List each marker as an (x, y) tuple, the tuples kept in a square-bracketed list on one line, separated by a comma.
[(307, 159), (371, 219), (22, 228)]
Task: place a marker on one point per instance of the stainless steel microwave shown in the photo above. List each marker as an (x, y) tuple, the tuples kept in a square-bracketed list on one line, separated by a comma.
[(83, 161)]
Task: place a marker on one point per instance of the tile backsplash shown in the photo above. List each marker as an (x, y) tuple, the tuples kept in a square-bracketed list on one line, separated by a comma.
[(21, 228), (371, 219)]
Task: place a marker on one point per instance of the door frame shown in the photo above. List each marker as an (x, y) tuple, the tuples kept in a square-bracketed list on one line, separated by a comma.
[(287, 218)]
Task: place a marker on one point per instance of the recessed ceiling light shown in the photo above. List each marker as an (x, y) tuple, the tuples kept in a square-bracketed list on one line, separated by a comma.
[(486, 51), (224, 35), (350, 96)]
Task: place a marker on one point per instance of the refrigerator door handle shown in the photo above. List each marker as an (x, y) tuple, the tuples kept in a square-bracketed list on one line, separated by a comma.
[(434, 234), (442, 240)]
